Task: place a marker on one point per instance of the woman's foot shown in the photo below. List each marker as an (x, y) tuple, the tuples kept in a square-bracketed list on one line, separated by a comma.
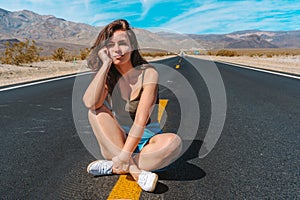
[(147, 181), (100, 167)]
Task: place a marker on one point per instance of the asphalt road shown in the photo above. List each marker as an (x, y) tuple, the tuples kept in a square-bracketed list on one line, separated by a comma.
[(256, 156)]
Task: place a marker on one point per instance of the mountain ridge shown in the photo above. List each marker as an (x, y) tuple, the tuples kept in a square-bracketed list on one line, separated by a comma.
[(24, 24)]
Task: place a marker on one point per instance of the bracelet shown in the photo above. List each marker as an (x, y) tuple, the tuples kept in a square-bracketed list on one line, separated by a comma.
[(136, 131)]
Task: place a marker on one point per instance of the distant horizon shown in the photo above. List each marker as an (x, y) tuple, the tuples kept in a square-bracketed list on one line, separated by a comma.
[(221, 16)]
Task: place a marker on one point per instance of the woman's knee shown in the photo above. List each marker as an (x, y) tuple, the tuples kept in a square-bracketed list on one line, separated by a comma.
[(100, 114), (164, 150), (173, 141), (102, 109), (176, 139), (175, 144), (170, 144)]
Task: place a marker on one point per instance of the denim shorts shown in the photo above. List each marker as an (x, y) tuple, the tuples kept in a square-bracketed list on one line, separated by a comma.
[(150, 130)]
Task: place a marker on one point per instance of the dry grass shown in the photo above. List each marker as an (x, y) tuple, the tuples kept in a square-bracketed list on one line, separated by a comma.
[(287, 64), (277, 59), (12, 74), (260, 52), (283, 60)]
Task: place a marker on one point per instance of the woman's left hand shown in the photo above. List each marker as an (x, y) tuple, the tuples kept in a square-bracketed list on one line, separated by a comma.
[(120, 166)]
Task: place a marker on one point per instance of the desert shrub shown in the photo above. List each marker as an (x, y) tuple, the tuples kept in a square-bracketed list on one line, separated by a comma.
[(269, 55), (71, 58), (21, 53), (258, 52), (287, 53), (84, 53), (225, 52), (209, 53), (43, 58), (59, 54), (154, 54)]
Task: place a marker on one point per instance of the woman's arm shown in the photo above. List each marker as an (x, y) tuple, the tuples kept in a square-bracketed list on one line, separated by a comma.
[(145, 107), (97, 91)]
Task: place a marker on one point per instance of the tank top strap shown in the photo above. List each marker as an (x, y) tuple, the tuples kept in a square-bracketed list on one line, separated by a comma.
[(144, 69)]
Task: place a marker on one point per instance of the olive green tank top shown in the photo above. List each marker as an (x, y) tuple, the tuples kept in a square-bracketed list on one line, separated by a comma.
[(125, 110)]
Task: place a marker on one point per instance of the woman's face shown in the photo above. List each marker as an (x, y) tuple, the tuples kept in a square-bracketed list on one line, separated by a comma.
[(119, 48)]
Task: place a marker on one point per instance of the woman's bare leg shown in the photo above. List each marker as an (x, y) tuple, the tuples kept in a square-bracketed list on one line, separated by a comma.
[(109, 135), (161, 151)]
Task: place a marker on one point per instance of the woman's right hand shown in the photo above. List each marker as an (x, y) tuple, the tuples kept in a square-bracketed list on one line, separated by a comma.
[(120, 166), (104, 56)]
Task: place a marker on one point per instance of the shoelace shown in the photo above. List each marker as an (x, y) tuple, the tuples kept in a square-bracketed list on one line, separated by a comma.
[(101, 167), (143, 178)]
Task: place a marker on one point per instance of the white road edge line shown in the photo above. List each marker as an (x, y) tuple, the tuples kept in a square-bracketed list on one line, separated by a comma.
[(44, 81), (261, 70)]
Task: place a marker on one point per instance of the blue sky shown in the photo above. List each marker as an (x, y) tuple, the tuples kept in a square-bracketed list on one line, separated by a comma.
[(182, 16)]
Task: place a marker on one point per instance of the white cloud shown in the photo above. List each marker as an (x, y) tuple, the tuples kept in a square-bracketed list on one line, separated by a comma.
[(36, 1), (224, 17), (148, 4), (87, 3), (79, 3), (205, 16), (98, 19), (107, 17)]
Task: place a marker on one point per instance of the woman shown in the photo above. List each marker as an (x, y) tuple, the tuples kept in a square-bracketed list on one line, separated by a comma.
[(121, 100)]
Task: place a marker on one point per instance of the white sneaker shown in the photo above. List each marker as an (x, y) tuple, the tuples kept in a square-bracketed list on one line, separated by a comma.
[(147, 181), (100, 167)]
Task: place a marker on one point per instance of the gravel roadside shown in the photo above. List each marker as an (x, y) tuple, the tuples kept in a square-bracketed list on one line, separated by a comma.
[(286, 64), (12, 74)]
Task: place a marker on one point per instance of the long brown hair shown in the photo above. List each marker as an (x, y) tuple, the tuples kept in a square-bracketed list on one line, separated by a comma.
[(94, 62)]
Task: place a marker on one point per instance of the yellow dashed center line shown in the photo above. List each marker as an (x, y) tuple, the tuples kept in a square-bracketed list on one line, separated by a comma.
[(161, 108), (126, 187), (178, 65)]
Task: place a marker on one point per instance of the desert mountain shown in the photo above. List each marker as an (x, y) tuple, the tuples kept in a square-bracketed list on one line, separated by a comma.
[(51, 32), (27, 24), (251, 39)]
